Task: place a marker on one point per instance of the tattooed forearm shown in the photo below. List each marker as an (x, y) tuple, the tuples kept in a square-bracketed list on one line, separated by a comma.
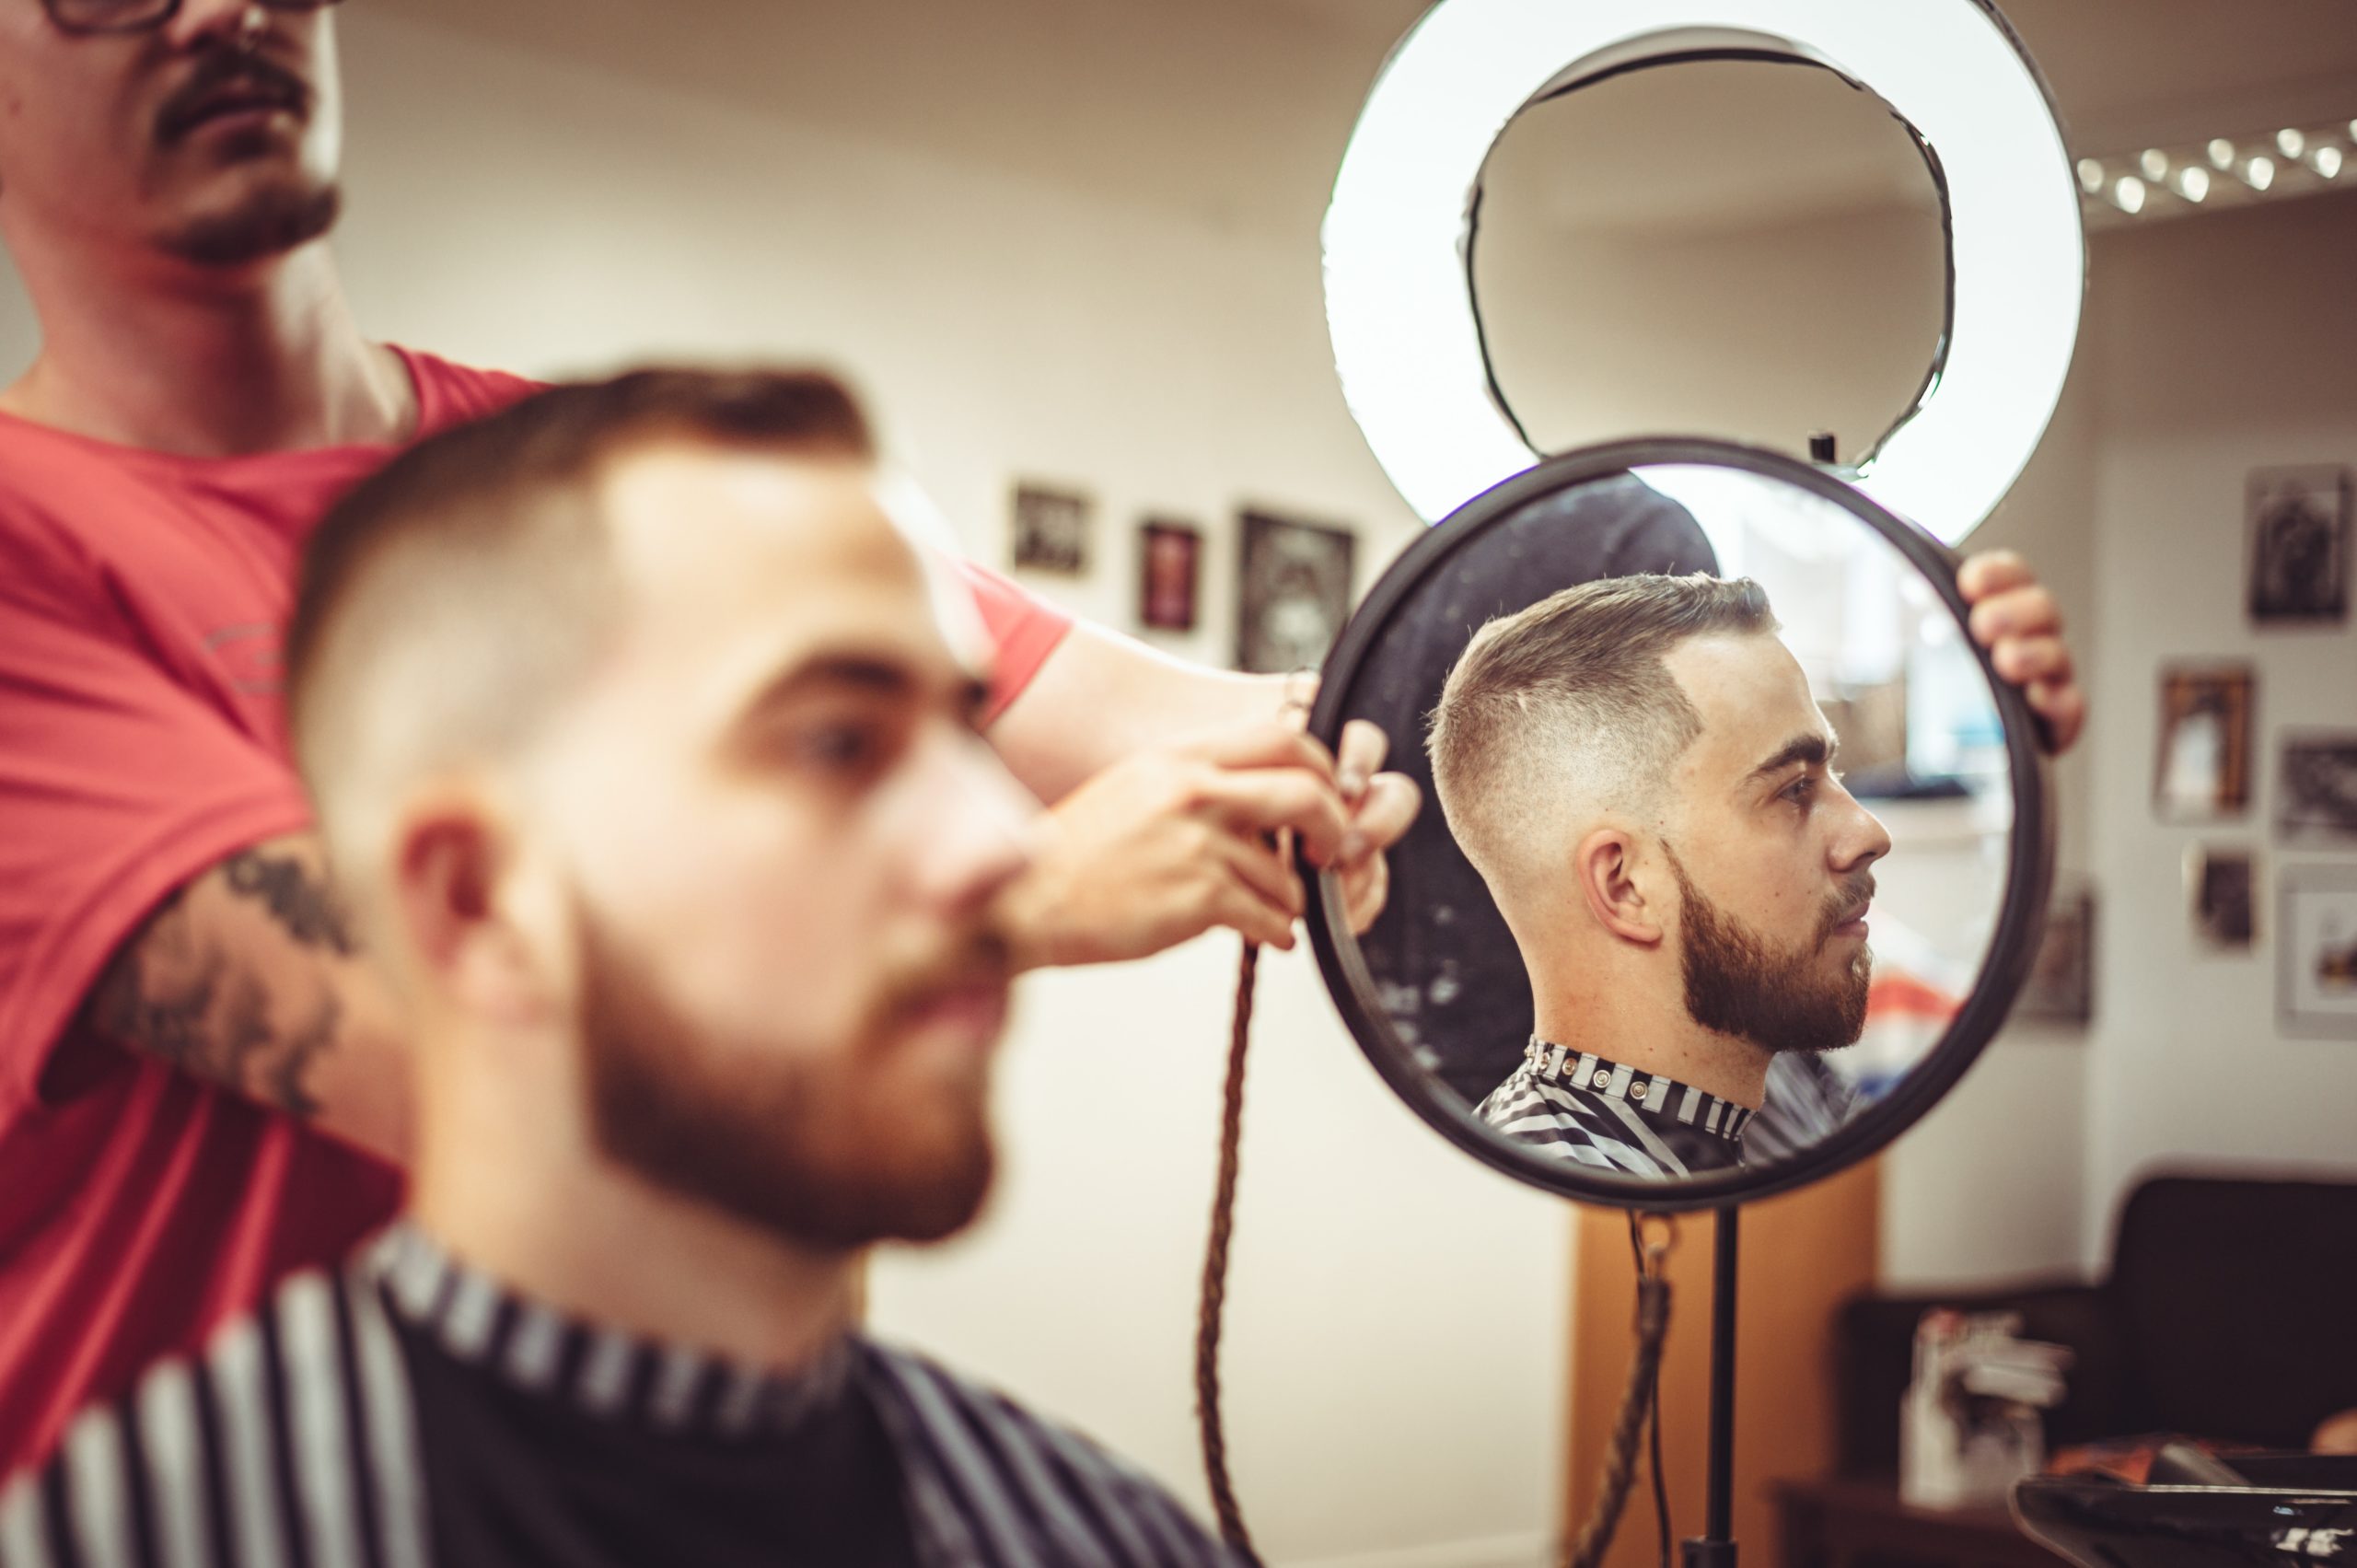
[(229, 997), (296, 894)]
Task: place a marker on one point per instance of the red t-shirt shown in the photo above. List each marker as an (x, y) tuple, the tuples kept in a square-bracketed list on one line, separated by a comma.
[(141, 742)]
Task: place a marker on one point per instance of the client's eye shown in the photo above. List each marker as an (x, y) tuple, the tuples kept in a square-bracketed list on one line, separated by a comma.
[(840, 747), (1802, 790)]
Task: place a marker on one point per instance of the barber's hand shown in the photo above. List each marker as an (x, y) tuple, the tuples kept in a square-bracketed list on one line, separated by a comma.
[(1171, 841), (1383, 806), (2018, 620)]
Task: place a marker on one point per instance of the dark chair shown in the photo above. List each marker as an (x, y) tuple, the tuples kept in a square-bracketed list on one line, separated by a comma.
[(2229, 1312)]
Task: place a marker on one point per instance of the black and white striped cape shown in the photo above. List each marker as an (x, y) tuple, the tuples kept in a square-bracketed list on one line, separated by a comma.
[(1577, 1106), (294, 1441)]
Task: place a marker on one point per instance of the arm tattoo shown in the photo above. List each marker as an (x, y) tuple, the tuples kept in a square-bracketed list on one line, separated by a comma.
[(173, 993), (297, 897)]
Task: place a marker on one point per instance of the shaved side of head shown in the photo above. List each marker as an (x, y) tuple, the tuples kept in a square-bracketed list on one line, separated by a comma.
[(452, 601), (1566, 712)]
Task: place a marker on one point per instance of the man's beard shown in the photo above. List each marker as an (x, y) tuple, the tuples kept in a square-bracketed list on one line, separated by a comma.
[(1738, 983), (280, 214), (815, 1149), (271, 222)]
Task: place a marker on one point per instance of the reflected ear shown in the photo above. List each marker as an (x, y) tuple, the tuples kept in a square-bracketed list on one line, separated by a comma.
[(1603, 866), (451, 867)]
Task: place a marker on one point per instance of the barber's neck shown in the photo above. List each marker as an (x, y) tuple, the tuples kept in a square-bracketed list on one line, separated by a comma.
[(507, 1177), (1631, 1007), (152, 352)]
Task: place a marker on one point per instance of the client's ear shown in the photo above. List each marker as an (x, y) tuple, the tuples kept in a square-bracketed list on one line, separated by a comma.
[(1603, 866), (452, 861)]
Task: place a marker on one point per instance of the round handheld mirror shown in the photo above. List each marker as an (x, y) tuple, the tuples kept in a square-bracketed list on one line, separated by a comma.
[(1734, 849)]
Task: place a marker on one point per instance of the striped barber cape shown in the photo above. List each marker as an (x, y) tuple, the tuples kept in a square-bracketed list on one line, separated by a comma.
[(1577, 1106), (410, 1412)]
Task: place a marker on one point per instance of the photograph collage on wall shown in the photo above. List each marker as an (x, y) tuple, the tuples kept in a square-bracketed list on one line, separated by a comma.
[(1170, 568), (2203, 772), (2221, 886), (1051, 530), (2316, 930), (2299, 546), (1294, 581)]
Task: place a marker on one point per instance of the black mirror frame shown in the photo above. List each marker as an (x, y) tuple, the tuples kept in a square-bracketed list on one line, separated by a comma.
[(2012, 948)]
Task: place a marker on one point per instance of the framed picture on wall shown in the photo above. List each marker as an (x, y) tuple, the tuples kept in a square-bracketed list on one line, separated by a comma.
[(2220, 884), (2316, 786), (2316, 930), (2061, 987), (2204, 770), (1051, 530), (2299, 546), (1170, 562), (1294, 592)]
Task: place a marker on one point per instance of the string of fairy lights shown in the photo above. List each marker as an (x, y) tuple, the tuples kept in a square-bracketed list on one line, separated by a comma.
[(2298, 160)]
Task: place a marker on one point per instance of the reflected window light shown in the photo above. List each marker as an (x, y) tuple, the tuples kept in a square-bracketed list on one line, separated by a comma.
[(2127, 195), (2258, 173), (2326, 161), (2222, 154), (2092, 178), (2291, 143), (2155, 163), (2193, 184)]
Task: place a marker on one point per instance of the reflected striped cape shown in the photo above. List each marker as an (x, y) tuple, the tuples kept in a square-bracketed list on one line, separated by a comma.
[(1579, 1107)]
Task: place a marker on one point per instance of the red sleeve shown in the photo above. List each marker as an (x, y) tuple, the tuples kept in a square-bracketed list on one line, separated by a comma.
[(1024, 631), (117, 784)]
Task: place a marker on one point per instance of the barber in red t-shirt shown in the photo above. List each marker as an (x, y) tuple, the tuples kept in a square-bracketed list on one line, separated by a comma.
[(193, 1051)]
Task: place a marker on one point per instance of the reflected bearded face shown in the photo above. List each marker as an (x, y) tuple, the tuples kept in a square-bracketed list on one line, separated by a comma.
[(1805, 995)]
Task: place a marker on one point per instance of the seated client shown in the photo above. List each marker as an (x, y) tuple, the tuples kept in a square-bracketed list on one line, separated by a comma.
[(1639, 772), (644, 758)]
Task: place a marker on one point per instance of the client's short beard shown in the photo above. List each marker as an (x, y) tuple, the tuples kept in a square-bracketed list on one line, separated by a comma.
[(789, 1146), (273, 223), (1738, 985)]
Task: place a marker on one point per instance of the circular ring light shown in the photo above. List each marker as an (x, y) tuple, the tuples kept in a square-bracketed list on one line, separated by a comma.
[(1399, 292)]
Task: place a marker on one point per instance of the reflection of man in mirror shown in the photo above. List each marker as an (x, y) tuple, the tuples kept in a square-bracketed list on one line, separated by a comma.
[(1638, 769)]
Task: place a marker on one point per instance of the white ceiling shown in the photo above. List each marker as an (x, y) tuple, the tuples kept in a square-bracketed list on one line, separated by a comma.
[(1235, 111)]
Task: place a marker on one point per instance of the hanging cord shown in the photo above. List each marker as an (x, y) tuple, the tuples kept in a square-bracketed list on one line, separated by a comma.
[(1638, 1397), (1652, 1398), (1215, 1294)]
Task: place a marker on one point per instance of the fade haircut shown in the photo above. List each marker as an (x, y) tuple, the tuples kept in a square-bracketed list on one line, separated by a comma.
[(451, 601), (1568, 706)]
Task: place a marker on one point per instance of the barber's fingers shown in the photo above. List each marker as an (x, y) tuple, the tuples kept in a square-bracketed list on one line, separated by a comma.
[(1243, 910), (1265, 800), (1254, 863), (2017, 613), (1359, 758), (1384, 815), (1271, 744), (1991, 571), (2064, 707), (2028, 661)]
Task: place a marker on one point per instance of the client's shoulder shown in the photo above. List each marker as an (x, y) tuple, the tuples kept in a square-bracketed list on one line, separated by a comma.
[(987, 1480), (253, 1450)]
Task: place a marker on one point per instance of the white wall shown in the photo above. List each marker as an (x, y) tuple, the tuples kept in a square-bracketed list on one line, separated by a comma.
[(2226, 343)]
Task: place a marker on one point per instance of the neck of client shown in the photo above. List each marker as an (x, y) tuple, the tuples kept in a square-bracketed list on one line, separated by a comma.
[(509, 1177), (1627, 1004)]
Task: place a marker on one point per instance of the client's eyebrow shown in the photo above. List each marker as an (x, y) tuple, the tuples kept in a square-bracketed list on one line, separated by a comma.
[(879, 675), (1815, 748)]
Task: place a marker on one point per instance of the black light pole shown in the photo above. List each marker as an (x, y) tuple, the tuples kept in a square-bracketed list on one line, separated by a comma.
[(1714, 1548)]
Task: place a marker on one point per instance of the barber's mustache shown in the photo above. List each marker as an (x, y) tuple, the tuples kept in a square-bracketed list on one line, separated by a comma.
[(223, 72)]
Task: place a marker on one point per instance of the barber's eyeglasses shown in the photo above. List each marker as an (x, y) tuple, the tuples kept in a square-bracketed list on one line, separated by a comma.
[(86, 17)]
